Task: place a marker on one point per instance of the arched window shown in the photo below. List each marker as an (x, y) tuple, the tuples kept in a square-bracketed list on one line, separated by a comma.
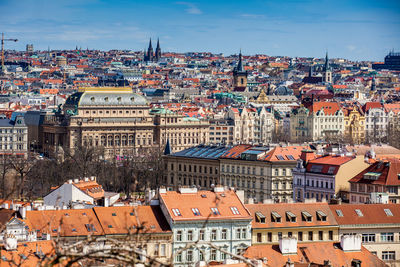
[(124, 140)]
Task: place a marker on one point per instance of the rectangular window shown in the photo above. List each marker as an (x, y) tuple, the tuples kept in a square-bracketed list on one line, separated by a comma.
[(244, 233), (213, 255), (214, 235), (366, 238), (235, 211), (269, 237), (224, 234), (189, 256), (238, 233), (201, 235), (330, 235), (300, 236), (321, 235), (388, 255), (215, 211), (179, 236), (190, 235), (196, 211), (178, 257), (387, 237), (310, 235), (259, 237), (279, 235)]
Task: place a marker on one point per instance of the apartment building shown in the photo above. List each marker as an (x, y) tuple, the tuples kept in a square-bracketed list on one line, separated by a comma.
[(376, 122), (307, 222), (13, 136), (318, 121), (379, 177), (251, 125), (324, 177), (354, 124), (378, 224), (202, 221)]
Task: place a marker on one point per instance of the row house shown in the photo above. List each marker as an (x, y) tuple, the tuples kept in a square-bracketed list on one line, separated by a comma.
[(260, 172), (378, 225), (307, 222), (354, 124), (319, 121), (381, 177), (376, 122), (206, 225), (325, 177), (251, 125)]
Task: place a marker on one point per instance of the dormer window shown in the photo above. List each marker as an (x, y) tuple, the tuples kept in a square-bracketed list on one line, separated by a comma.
[(306, 216), (321, 216), (388, 212), (290, 217), (260, 218), (176, 212), (275, 217)]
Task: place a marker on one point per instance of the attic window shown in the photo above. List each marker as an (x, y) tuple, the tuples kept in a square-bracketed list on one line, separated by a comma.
[(279, 157), (132, 99), (119, 99), (106, 99), (290, 157), (196, 212), (153, 227), (92, 99), (290, 217), (176, 212), (306, 216), (131, 214), (321, 216), (203, 196), (359, 213), (235, 211), (90, 227), (388, 212), (84, 214), (55, 230), (215, 211), (110, 226), (275, 217), (260, 218), (339, 213), (73, 230), (114, 214)]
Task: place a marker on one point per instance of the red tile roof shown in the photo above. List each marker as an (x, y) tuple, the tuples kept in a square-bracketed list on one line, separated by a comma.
[(372, 214), (316, 252), (389, 173), (296, 209), (203, 201), (329, 108)]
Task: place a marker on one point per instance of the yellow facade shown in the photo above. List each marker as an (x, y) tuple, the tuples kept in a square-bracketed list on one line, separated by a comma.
[(354, 123)]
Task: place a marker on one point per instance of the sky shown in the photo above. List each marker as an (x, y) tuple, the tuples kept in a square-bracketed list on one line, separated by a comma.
[(351, 29)]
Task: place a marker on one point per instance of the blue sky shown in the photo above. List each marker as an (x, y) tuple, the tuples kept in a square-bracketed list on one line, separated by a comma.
[(357, 30)]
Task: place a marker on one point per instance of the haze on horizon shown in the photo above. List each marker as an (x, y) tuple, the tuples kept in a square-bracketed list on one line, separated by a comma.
[(356, 30)]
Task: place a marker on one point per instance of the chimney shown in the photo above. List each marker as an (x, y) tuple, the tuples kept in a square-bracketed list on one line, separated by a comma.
[(187, 190), (288, 245), (70, 181), (86, 179), (162, 190), (350, 243), (307, 155), (76, 181), (218, 189), (10, 242)]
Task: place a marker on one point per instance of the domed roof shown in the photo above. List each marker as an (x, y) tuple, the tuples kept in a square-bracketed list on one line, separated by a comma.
[(106, 98)]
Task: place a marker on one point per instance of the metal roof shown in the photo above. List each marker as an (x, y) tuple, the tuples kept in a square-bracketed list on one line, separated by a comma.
[(204, 152)]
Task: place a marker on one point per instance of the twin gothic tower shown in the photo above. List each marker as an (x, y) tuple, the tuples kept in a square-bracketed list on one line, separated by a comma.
[(150, 56)]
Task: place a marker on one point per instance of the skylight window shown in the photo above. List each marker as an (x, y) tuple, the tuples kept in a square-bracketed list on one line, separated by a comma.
[(280, 157), (90, 227), (388, 212), (114, 214), (235, 211), (359, 213), (196, 212), (176, 212), (339, 213), (290, 157), (215, 211)]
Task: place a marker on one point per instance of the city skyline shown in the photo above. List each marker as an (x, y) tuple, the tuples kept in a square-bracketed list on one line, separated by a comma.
[(356, 30)]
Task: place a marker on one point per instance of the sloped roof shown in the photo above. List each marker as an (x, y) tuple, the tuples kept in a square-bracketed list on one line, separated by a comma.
[(124, 220), (203, 201), (296, 209), (389, 173), (372, 214), (316, 252)]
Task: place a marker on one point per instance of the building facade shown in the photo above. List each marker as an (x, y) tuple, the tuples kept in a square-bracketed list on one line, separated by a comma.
[(206, 225), (14, 136)]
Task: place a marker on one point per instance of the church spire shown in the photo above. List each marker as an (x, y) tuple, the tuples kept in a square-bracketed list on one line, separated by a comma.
[(239, 67), (326, 68), (150, 46)]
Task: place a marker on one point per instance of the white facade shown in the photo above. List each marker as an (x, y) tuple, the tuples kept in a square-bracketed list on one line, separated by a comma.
[(65, 195)]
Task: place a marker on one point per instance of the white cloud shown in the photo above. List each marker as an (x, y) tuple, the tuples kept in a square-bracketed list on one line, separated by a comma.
[(191, 8), (351, 47)]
